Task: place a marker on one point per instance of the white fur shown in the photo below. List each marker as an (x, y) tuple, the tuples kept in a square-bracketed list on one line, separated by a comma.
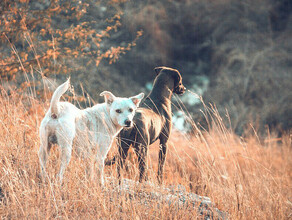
[(90, 129)]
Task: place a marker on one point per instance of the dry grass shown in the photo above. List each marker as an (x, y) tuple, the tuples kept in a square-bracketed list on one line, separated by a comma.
[(248, 178)]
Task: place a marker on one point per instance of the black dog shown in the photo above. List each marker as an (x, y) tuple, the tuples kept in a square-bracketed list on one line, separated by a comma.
[(152, 121)]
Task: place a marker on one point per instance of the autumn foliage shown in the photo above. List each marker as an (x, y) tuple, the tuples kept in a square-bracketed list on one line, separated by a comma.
[(49, 37)]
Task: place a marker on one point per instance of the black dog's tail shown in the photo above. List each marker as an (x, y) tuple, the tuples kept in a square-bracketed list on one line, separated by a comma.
[(109, 162)]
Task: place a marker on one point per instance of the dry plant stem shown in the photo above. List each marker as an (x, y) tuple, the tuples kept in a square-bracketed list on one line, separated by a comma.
[(245, 177)]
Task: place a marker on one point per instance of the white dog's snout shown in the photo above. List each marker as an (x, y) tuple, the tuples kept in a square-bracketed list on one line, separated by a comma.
[(128, 123)]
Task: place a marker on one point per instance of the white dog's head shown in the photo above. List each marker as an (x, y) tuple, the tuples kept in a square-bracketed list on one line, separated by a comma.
[(122, 110)]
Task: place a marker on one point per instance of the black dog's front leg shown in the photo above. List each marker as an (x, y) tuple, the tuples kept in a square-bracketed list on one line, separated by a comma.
[(123, 153), (141, 151), (162, 156)]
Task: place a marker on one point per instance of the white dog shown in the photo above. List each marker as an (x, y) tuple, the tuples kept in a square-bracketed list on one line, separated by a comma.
[(90, 129)]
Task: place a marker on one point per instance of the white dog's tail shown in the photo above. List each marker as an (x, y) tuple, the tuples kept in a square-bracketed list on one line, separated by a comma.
[(56, 97)]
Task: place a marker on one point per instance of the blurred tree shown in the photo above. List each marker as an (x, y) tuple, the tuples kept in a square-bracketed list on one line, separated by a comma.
[(52, 37)]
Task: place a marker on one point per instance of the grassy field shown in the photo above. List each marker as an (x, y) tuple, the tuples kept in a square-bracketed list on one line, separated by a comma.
[(250, 178)]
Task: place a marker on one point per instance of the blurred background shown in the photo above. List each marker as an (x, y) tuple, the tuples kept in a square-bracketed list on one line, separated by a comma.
[(237, 55)]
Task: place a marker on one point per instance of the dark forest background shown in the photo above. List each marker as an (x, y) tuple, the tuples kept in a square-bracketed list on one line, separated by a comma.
[(236, 54)]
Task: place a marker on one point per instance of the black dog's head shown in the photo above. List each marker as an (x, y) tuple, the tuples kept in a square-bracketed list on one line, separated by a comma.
[(177, 86)]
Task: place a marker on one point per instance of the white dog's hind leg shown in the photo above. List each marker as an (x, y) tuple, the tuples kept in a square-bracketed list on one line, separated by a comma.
[(43, 152), (65, 144), (66, 152), (43, 157)]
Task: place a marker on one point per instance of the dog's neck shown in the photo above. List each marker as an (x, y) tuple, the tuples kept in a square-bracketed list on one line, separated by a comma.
[(116, 128), (113, 129), (161, 91), (162, 87)]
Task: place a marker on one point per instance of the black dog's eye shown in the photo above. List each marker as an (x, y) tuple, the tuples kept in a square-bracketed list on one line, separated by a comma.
[(130, 109), (118, 111)]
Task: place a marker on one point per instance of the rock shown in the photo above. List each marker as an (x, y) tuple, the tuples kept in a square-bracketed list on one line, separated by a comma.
[(174, 195)]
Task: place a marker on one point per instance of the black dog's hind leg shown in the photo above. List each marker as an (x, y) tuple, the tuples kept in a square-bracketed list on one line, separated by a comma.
[(161, 160)]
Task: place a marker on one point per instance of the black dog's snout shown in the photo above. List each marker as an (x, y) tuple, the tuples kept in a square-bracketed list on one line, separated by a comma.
[(180, 90), (128, 123)]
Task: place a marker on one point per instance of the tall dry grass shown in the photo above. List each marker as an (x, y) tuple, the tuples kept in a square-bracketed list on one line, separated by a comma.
[(250, 178)]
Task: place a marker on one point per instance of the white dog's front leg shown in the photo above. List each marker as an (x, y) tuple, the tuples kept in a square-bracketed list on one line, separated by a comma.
[(104, 144), (100, 171)]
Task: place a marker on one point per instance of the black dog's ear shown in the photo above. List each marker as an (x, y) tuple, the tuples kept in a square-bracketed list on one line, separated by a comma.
[(158, 69)]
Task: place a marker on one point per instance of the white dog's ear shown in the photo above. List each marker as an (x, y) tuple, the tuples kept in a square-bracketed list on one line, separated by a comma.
[(108, 97), (137, 99)]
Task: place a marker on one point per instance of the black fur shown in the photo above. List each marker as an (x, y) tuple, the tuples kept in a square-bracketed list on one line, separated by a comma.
[(152, 121)]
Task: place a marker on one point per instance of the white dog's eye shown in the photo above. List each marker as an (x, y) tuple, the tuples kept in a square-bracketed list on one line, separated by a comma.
[(130, 110), (118, 111)]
